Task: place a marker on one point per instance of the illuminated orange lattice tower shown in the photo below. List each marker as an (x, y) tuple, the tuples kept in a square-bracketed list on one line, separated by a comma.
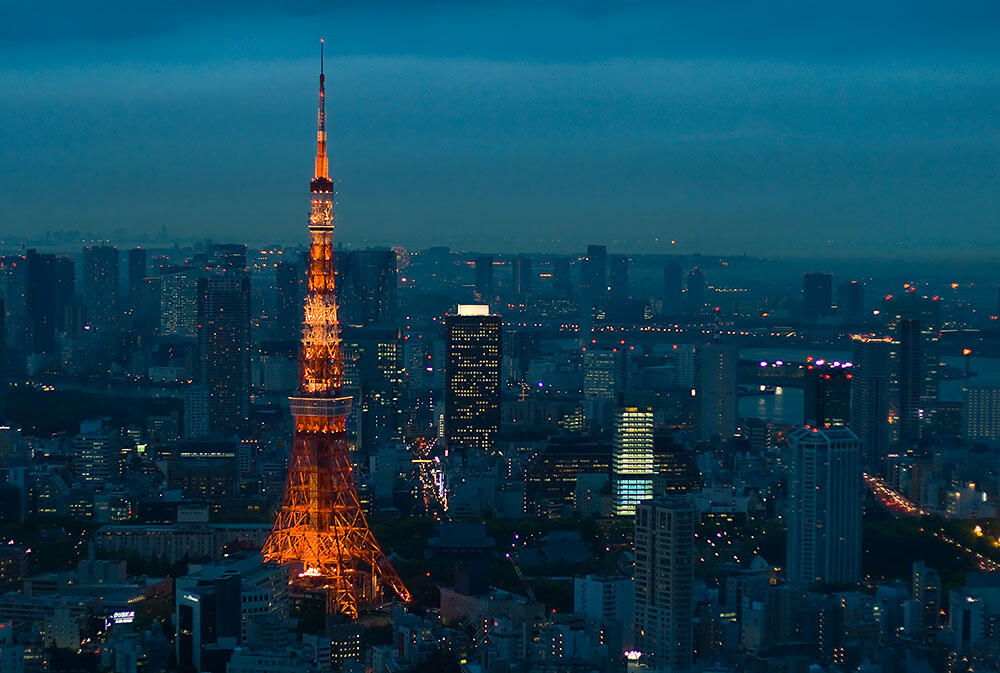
[(321, 531)]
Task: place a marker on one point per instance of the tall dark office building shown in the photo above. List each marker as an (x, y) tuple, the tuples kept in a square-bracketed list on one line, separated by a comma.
[(224, 348), (927, 311), (100, 284), (716, 391), (618, 279), (288, 280), (14, 292), (367, 287), (562, 282), (673, 289), (521, 269), (909, 378), (824, 507), (373, 374), (472, 377), (594, 272), (817, 295), (695, 297), (485, 291), (136, 275), (51, 293), (828, 396), (664, 582), (851, 300), (138, 302), (871, 373)]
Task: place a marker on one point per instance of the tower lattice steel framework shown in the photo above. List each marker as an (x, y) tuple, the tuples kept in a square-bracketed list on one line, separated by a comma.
[(321, 530)]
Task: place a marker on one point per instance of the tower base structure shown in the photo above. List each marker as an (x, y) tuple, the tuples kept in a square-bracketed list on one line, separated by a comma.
[(321, 532)]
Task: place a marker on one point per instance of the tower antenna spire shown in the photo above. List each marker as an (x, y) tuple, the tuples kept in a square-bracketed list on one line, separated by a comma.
[(322, 163)]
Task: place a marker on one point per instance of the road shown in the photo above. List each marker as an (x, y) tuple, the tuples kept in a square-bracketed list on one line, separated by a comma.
[(899, 505)]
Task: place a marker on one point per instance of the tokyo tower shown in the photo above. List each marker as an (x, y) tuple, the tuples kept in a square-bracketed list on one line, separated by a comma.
[(321, 531)]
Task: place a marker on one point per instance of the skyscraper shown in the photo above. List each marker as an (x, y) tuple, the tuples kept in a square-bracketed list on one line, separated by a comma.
[(909, 378), (695, 297), (716, 390), (562, 283), (824, 507), (472, 377), (632, 459), (224, 348), (618, 285), (100, 284), (288, 301), (664, 582), (367, 287), (594, 272), (373, 371), (851, 300), (673, 289), (828, 395), (817, 295), (521, 269), (870, 393), (485, 292), (50, 296), (136, 282), (178, 301)]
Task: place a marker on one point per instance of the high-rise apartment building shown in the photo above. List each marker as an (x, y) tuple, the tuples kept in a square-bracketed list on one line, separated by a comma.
[(472, 377), (632, 459), (716, 390), (100, 284), (870, 393), (224, 348), (178, 301), (981, 413), (824, 507), (817, 295), (664, 583)]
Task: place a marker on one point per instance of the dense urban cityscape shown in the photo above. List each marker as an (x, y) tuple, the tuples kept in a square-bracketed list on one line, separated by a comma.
[(240, 455)]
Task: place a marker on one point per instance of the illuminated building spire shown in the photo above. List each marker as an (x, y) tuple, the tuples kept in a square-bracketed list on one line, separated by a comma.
[(322, 163)]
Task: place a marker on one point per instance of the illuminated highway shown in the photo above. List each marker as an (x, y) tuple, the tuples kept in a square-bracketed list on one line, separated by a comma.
[(901, 506)]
